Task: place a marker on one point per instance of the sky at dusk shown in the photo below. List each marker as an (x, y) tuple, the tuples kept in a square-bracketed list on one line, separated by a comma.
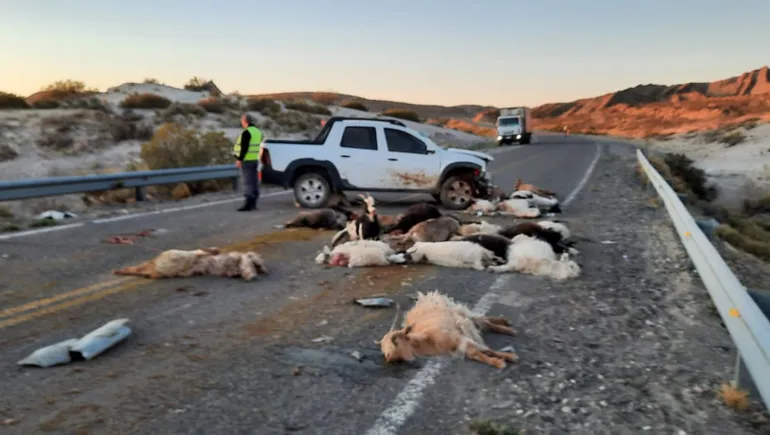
[(501, 53)]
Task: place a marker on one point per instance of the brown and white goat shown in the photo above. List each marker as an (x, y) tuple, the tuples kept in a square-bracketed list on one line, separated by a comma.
[(521, 185), (209, 261), (437, 325), (433, 230)]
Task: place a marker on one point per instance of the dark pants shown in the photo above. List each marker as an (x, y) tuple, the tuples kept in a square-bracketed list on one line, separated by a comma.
[(250, 180)]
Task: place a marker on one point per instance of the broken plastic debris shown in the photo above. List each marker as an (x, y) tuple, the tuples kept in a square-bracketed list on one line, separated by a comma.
[(102, 338), (56, 215), (87, 347), (608, 242), (375, 302), (508, 348), (49, 356), (357, 355), (279, 227), (322, 339)]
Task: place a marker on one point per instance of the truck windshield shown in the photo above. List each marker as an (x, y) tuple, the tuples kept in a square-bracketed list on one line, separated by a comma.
[(507, 122)]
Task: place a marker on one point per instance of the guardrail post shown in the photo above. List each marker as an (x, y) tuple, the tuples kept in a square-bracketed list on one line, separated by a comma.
[(139, 194), (235, 184), (742, 378)]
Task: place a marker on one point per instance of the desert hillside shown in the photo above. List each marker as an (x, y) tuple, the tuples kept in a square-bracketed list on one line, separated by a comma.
[(70, 129), (653, 110)]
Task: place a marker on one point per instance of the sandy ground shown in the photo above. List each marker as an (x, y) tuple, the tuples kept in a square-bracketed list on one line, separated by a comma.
[(740, 171)]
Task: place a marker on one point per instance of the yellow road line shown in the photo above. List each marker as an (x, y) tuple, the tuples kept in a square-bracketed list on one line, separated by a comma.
[(48, 301), (72, 303)]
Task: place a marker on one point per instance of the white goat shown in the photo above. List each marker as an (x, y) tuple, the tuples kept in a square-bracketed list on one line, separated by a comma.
[(536, 257), (556, 226), (535, 200), (518, 207), (483, 206), (481, 227), (452, 254), (360, 253)]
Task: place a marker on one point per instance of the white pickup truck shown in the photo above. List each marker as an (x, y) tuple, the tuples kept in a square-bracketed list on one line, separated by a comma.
[(374, 155)]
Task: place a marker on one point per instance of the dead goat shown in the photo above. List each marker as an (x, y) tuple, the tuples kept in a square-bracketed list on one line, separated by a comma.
[(208, 261), (519, 208), (438, 325), (432, 230), (533, 256), (496, 243), (481, 226), (546, 231), (546, 204), (481, 207), (521, 185), (333, 218), (413, 215), (452, 254), (360, 253), (367, 225)]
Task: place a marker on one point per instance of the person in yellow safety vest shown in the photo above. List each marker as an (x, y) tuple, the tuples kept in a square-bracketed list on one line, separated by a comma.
[(248, 152)]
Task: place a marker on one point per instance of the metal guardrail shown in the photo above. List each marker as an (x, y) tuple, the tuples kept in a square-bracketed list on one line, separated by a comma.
[(746, 322), (42, 187)]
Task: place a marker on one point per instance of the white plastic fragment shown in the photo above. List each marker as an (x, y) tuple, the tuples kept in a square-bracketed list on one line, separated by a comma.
[(87, 347), (49, 356), (102, 338)]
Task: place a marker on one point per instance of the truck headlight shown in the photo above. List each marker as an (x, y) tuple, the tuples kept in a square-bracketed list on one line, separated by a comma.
[(499, 138), (518, 136)]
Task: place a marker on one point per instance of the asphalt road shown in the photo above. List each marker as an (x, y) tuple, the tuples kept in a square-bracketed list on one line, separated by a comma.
[(212, 355)]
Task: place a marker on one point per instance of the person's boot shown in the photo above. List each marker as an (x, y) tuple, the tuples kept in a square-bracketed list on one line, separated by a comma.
[(248, 205)]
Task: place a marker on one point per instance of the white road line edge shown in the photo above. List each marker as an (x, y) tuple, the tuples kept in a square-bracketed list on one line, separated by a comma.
[(156, 212), (407, 401), (586, 176)]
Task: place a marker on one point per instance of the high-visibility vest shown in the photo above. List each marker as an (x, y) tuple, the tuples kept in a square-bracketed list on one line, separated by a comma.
[(253, 152)]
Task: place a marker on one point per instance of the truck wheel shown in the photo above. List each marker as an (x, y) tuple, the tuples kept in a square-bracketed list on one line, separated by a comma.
[(525, 139), (456, 193), (312, 190)]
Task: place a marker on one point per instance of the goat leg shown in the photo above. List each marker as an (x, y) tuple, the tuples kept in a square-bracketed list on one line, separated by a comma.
[(474, 353), (493, 324), (507, 356)]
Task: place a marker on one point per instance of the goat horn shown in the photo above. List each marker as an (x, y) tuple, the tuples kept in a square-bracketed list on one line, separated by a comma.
[(395, 319)]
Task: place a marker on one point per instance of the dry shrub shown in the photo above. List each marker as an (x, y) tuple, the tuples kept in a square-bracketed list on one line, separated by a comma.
[(355, 105), (265, 106), (68, 87), (197, 84), (145, 101), (7, 152), (151, 81), (750, 206), (47, 103), (683, 167), (467, 127), (744, 243), (57, 133), (488, 115), (325, 98), (12, 101), (213, 105), (173, 146), (182, 110), (293, 122), (302, 106), (126, 127), (404, 114), (733, 397), (733, 138), (5, 212)]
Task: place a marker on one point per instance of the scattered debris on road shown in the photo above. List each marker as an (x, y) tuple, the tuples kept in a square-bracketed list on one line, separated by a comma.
[(88, 347), (608, 242), (375, 302), (56, 215), (322, 339), (130, 239), (357, 355)]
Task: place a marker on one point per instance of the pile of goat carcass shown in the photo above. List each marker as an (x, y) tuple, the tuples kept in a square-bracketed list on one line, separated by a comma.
[(423, 234)]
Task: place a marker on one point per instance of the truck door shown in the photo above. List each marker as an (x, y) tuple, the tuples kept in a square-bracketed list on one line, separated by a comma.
[(359, 159), (410, 164)]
